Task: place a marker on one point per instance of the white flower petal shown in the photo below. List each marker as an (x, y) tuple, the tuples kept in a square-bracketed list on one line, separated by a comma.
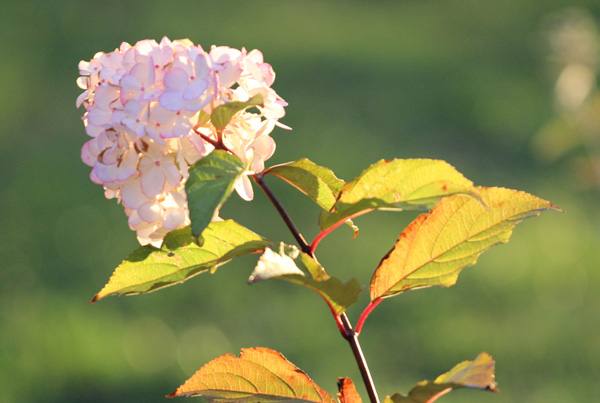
[(163, 116), (106, 173), (128, 165), (244, 188), (202, 66), (132, 195), (172, 174), (176, 79), (171, 100), (105, 96), (195, 89), (150, 212), (174, 218), (181, 128), (81, 98), (153, 182), (89, 152), (99, 117), (95, 179), (130, 86), (94, 131)]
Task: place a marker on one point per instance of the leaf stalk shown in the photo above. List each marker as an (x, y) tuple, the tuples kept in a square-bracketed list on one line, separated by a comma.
[(366, 313)]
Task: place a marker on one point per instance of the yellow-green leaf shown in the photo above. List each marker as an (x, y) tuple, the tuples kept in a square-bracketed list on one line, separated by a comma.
[(148, 268), (436, 246), (318, 183), (258, 375), (476, 374), (399, 185), (223, 114)]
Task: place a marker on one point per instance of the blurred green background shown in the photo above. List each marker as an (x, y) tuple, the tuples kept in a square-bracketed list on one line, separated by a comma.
[(470, 82)]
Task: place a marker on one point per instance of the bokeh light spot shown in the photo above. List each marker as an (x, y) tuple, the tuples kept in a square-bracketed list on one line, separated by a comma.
[(199, 345), (149, 345)]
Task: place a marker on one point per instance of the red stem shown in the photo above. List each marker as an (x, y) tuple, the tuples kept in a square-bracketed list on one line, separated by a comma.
[(326, 232), (365, 314)]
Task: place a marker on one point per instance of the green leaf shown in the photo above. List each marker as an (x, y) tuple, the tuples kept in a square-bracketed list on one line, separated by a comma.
[(397, 185), (211, 181), (222, 115), (318, 183), (436, 246), (282, 265), (148, 268), (203, 118), (476, 374), (258, 375)]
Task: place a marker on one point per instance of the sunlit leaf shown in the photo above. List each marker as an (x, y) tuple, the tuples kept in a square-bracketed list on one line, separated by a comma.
[(396, 185), (211, 181), (436, 246), (338, 295), (476, 374), (318, 183), (258, 375), (347, 391), (222, 114), (203, 118), (149, 268)]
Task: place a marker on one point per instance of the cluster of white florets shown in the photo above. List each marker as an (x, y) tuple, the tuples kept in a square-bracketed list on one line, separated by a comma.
[(146, 108)]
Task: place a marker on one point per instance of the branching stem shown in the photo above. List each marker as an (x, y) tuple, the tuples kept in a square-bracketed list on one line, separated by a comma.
[(352, 337), (342, 320)]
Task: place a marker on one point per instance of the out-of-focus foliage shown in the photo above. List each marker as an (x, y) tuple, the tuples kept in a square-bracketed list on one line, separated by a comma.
[(573, 136), (467, 82)]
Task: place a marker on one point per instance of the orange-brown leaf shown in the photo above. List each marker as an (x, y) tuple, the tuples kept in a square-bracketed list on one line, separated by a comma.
[(258, 375), (348, 393), (435, 247)]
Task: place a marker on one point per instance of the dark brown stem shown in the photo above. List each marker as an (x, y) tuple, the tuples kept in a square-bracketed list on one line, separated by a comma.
[(304, 246), (352, 338), (217, 144)]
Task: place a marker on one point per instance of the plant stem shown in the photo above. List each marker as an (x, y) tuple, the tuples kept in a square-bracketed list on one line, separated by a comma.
[(304, 246), (352, 337), (365, 314), (346, 328)]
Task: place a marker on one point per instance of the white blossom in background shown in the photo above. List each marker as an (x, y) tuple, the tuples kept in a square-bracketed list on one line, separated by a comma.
[(142, 104)]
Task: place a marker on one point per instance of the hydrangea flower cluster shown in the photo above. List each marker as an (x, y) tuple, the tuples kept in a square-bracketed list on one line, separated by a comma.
[(146, 111)]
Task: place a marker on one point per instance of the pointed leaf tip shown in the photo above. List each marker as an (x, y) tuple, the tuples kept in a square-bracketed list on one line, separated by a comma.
[(436, 246), (476, 374), (180, 258), (258, 375)]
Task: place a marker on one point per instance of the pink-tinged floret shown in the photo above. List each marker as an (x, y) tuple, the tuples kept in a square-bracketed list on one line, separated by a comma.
[(142, 106)]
